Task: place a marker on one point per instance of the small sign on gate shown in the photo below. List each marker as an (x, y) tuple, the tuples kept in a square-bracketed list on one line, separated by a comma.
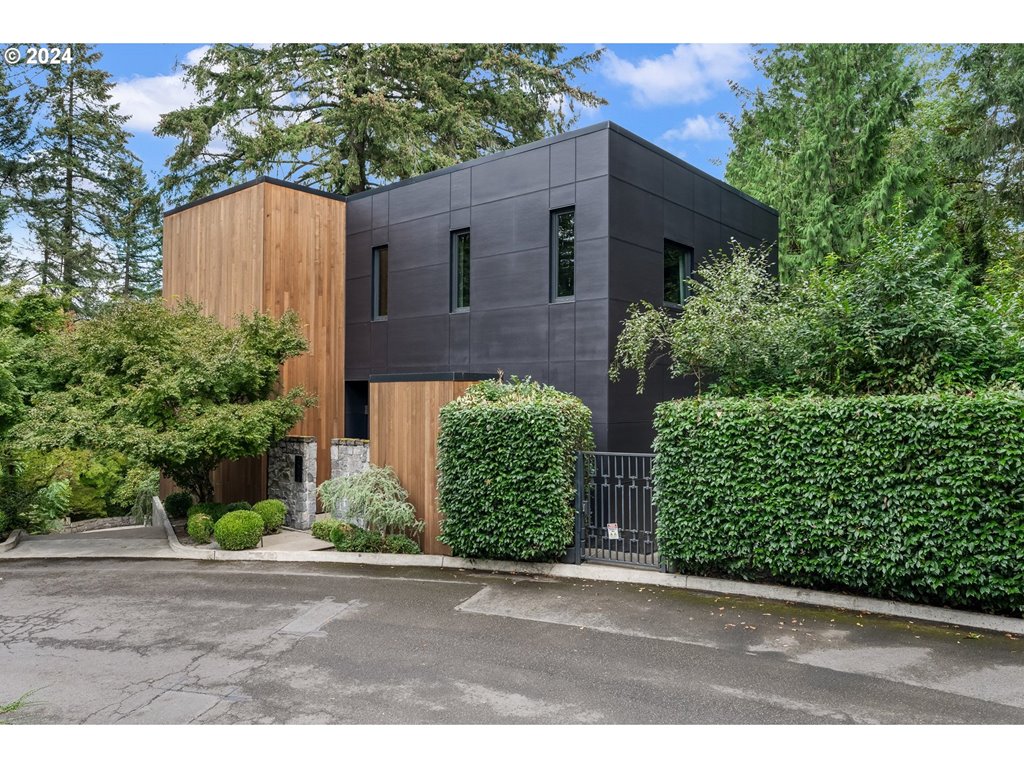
[(613, 530)]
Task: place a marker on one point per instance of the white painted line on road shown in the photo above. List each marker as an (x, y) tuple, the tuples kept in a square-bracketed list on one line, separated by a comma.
[(492, 602), (314, 617)]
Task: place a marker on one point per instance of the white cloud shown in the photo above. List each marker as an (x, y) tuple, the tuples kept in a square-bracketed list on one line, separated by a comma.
[(698, 128), (687, 74), (144, 99)]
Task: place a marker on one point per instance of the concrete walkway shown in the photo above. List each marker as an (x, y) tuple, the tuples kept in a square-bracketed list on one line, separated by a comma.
[(159, 541)]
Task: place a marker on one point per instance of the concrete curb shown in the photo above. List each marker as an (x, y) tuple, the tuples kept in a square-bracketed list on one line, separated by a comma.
[(178, 549), (606, 573), (12, 540)]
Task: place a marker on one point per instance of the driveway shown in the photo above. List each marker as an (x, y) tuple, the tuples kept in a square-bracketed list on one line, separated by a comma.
[(155, 641)]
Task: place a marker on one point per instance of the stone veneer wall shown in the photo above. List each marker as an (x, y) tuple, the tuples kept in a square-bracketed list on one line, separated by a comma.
[(299, 496), (349, 456)]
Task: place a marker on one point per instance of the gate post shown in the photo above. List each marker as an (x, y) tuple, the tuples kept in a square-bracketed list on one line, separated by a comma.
[(291, 477)]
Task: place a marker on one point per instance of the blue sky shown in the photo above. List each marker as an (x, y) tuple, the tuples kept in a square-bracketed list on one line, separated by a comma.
[(669, 94)]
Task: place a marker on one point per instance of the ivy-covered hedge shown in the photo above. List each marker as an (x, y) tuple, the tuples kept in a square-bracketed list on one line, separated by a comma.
[(917, 497), (506, 470)]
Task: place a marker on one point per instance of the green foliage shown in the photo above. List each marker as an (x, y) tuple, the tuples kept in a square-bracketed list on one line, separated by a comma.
[(506, 470), (27, 321), (816, 144), (178, 504), (992, 118), (236, 505), (133, 226), (6, 524), (79, 138), (101, 483), (242, 529), (44, 508), (273, 513), (337, 116), (917, 497), (200, 527), (16, 705), (733, 326), (348, 538), (139, 487), (214, 509), (353, 539), (374, 499), (170, 387), (895, 319), (324, 528), (397, 544)]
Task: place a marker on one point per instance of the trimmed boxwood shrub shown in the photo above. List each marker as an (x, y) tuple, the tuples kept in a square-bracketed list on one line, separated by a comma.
[(178, 503), (507, 469), (272, 511), (214, 509), (917, 497), (323, 528), (200, 528), (241, 529), (234, 506)]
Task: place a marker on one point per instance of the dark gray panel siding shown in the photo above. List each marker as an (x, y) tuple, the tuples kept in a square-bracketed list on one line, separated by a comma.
[(628, 199), (510, 176), (653, 198), (358, 215), (563, 163)]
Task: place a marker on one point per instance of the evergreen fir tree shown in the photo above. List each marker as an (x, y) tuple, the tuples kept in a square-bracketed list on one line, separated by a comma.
[(80, 142), (133, 227), (343, 117)]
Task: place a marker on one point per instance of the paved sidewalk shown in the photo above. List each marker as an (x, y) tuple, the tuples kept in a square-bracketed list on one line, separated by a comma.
[(137, 541)]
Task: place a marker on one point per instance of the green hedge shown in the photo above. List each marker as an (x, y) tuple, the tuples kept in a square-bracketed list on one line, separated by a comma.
[(241, 529), (506, 470), (917, 497)]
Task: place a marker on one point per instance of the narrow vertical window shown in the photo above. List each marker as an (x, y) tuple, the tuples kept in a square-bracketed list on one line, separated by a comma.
[(460, 270), (563, 254), (380, 282), (678, 268)]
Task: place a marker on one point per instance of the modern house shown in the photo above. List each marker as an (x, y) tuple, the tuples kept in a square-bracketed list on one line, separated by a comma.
[(523, 261)]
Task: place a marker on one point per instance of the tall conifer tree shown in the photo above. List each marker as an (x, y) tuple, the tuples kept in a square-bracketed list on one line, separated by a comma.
[(817, 144), (133, 228), (80, 142), (341, 117)]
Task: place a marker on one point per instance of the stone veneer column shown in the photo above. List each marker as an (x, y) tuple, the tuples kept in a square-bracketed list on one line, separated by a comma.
[(291, 477), (349, 456)]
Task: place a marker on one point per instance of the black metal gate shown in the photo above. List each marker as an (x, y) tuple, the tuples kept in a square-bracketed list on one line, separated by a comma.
[(616, 521)]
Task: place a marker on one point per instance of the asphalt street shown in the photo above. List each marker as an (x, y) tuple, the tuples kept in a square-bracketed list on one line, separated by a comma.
[(120, 641)]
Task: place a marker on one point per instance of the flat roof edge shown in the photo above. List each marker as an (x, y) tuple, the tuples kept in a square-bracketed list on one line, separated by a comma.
[(252, 183), (546, 141)]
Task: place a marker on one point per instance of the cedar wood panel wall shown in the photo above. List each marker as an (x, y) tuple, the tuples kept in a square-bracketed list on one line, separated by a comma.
[(304, 270), (269, 248), (404, 420)]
